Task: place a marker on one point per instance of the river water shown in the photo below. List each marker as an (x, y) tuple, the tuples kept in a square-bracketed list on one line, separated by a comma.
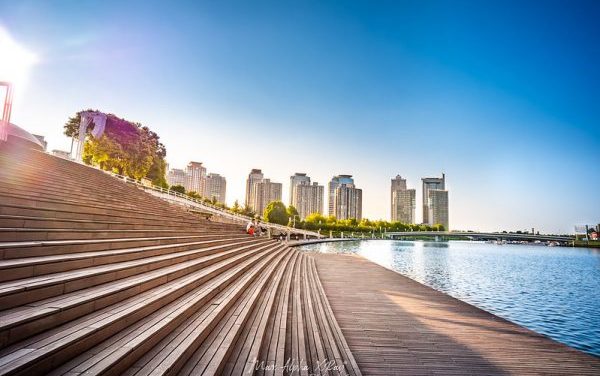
[(551, 290)]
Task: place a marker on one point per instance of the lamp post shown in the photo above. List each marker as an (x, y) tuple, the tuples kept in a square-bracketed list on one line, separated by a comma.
[(6, 110)]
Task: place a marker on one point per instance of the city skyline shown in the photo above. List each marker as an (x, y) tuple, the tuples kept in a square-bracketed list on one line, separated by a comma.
[(308, 197), (245, 86)]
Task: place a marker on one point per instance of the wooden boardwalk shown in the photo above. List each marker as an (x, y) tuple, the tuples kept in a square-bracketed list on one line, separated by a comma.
[(396, 326)]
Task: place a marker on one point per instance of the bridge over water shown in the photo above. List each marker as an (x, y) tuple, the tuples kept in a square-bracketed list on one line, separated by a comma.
[(479, 235)]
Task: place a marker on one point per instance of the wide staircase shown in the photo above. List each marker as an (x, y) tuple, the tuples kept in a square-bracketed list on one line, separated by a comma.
[(99, 277)]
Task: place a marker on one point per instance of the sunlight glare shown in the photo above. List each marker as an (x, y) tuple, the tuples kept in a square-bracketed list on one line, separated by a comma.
[(15, 60)]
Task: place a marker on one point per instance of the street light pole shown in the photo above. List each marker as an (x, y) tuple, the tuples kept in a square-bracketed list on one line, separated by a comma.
[(6, 110)]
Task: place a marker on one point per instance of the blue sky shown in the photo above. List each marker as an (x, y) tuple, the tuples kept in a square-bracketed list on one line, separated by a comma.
[(501, 96)]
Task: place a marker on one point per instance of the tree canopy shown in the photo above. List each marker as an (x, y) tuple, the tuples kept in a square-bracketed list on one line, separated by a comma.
[(293, 215), (178, 188), (126, 148), (276, 212), (316, 221)]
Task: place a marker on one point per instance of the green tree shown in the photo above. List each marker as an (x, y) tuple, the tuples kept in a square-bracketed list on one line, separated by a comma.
[(316, 218), (195, 195), (125, 147), (105, 153), (293, 215), (158, 172), (276, 212), (247, 211), (236, 207), (438, 227), (178, 188)]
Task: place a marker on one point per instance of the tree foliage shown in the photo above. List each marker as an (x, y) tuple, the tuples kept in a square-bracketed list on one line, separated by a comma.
[(194, 194), (246, 210), (276, 212), (178, 188), (126, 148), (293, 215), (317, 221)]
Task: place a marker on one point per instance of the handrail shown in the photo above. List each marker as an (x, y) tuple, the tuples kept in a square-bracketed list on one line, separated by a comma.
[(193, 202)]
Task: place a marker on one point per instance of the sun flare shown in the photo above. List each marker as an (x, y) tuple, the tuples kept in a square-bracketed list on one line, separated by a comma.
[(15, 60)]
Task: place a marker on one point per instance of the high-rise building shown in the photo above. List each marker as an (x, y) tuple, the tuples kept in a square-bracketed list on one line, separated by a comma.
[(255, 175), (403, 205), (335, 182), (195, 178), (345, 200), (428, 184), (438, 207), (305, 197), (298, 178), (308, 199), (176, 176), (348, 202), (397, 184), (264, 192), (216, 186)]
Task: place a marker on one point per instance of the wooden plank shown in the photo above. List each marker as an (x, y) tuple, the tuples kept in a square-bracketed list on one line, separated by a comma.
[(394, 325), (347, 357), (249, 358), (116, 316)]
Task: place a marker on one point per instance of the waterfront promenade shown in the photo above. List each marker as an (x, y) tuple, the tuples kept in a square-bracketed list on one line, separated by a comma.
[(397, 326), (94, 284)]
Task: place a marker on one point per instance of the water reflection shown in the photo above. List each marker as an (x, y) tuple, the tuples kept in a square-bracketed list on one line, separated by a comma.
[(551, 290)]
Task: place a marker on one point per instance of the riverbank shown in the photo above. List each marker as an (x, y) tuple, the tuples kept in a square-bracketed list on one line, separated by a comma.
[(395, 325), (587, 244), (297, 243)]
